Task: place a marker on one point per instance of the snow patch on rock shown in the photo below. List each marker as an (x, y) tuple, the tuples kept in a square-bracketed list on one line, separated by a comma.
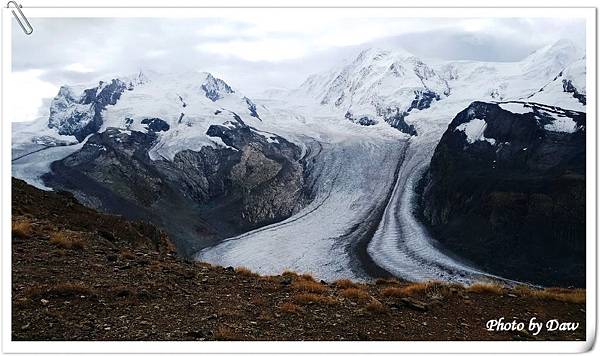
[(562, 124), (474, 130), (516, 108)]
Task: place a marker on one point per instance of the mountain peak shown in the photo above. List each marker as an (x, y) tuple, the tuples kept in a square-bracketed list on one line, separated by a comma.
[(374, 54), (563, 43), (563, 50), (561, 47), (552, 58), (139, 78), (215, 88)]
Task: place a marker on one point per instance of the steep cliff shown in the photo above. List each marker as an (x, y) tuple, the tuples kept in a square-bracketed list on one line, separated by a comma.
[(506, 189)]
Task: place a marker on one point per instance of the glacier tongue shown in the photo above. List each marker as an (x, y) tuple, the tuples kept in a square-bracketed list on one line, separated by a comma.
[(350, 179)]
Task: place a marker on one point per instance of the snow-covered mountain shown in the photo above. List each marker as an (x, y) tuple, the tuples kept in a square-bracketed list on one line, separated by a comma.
[(388, 85), (378, 85), (567, 89), (158, 146), (550, 59), (498, 81), (188, 104), (78, 111)]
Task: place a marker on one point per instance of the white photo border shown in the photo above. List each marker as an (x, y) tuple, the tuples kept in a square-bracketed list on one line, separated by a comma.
[(219, 347)]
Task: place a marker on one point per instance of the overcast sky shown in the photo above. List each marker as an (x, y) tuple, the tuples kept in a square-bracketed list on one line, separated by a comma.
[(250, 55)]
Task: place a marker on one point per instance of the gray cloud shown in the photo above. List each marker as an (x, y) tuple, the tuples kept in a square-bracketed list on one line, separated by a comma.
[(256, 55), (462, 46)]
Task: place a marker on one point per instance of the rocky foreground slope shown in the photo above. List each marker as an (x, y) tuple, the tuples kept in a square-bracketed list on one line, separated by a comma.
[(82, 275)]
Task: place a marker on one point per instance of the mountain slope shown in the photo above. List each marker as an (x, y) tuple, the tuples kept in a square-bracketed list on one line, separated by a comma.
[(514, 80), (174, 149), (506, 189), (389, 85), (567, 89), (378, 84)]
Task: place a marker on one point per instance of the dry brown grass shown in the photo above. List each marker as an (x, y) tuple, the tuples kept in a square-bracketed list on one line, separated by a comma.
[(386, 281), (522, 289), (485, 288), (245, 272), (576, 296), (346, 283), (393, 292), (307, 277), (376, 307), (291, 308), (22, 229), (409, 290), (288, 273), (431, 289), (309, 286), (441, 290), (309, 298), (417, 288), (355, 294), (67, 240), (224, 332)]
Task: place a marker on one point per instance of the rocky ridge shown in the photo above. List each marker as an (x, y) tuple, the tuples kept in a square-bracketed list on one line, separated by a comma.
[(255, 181), (506, 190)]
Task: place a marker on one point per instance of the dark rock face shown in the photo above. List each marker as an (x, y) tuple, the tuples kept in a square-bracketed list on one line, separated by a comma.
[(396, 120), (423, 99), (568, 87), (81, 116), (395, 117), (156, 125), (366, 121), (363, 120), (251, 108), (514, 202), (201, 196), (108, 95), (214, 88)]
